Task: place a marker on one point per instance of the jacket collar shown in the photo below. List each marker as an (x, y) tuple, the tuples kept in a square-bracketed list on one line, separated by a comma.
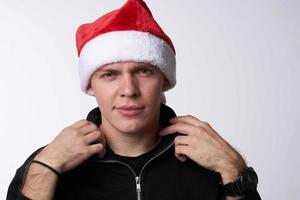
[(166, 113)]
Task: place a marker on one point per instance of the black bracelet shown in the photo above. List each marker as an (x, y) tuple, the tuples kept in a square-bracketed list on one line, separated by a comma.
[(47, 166)]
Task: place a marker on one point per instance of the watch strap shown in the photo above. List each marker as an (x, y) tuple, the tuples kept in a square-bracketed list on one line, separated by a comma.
[(246, 182)]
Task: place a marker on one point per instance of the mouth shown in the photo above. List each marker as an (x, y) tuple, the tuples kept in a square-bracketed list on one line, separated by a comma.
[(130, 111)]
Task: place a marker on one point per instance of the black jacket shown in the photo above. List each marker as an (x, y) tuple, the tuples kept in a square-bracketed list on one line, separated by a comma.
[(163, 177)]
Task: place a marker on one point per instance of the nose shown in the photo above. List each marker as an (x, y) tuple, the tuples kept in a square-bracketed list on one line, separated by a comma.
[(129, 86)]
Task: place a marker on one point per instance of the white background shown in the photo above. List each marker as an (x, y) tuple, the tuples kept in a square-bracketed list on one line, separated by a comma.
[(238, 67)]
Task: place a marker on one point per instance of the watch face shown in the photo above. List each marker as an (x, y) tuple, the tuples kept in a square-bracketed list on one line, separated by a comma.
[(248, 179)]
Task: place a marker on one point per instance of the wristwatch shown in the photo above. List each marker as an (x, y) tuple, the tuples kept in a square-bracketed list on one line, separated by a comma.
[(246, 182)]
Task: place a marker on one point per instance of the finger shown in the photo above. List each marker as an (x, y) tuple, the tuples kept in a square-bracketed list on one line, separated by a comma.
[(93, 137), (80, 123), (181, 152), (181, 157), (189, 119), (183, 128), (88, 129), (102, 153), (103, 139), (182, 140), (97, 149)]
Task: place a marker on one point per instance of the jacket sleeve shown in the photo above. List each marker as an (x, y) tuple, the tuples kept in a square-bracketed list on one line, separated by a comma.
[(252, 196), (249, 196), (14, 189)]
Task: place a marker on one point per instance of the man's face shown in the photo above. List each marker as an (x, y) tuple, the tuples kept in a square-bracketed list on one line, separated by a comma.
[(128, 95)]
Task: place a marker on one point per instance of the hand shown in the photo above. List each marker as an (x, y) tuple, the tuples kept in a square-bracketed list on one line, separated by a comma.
[(202, 144), (73, 145)]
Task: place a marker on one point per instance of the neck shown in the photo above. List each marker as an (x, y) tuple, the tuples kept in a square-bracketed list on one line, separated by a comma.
[(131, 144)]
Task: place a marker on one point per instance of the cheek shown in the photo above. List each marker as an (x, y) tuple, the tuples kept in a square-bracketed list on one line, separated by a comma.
[(153, 90), (104, 96)]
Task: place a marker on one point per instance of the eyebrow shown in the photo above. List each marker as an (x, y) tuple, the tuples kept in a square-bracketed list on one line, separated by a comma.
[(104, 70), (101, 71), (111, 69)]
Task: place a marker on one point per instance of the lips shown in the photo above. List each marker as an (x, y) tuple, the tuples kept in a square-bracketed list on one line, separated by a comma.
[(130, 110)]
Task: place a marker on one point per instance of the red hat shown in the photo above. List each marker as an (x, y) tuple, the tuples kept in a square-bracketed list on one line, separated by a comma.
[(126, 34)]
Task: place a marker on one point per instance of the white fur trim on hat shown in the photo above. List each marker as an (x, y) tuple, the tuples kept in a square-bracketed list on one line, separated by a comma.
[(122, 46)]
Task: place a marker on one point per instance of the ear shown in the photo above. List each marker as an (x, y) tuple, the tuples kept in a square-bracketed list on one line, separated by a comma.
[(90, 91), (165, 83)]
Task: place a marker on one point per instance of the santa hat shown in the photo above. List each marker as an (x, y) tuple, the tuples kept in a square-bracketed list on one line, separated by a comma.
[(126, 34)]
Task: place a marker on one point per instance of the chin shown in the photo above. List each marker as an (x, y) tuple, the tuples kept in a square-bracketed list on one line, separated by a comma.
[(130, 126)]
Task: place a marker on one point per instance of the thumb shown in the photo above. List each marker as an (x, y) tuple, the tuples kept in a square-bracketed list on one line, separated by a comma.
[(102, 152)]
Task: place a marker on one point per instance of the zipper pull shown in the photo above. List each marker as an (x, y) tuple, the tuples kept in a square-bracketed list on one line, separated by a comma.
[(138, 187)]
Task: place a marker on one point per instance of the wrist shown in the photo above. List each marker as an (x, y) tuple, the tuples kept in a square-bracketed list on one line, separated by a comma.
[(46, 166), (231, 168), (44, 157), (245, 183), (36, 170), (229, 175)]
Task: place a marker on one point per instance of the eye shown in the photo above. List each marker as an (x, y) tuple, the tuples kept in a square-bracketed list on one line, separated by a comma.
[(107, 75), (144, 71)]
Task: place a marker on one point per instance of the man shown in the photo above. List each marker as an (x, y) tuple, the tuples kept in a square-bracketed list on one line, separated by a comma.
[(133, 146)]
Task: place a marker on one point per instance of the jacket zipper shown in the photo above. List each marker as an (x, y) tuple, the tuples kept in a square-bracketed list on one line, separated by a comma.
[(139, 177), (138, 187)]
